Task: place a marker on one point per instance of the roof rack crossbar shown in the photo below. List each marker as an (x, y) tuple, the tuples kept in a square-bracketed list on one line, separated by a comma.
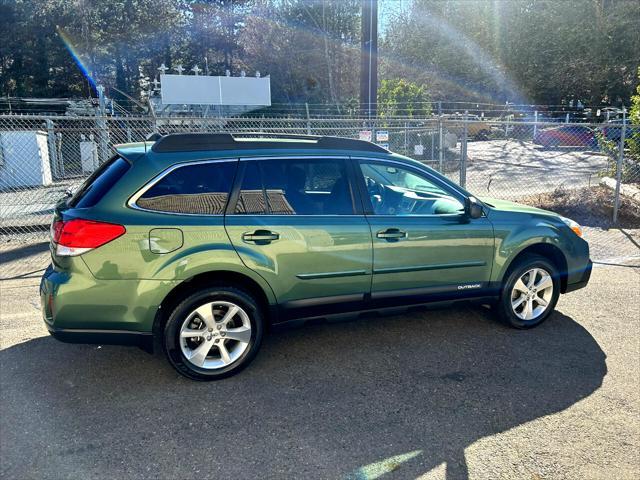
[(192, 142)]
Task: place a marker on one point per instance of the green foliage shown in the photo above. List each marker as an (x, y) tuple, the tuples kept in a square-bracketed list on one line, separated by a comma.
[(634, 112), (633, 143), (399, 97), (631, 162)]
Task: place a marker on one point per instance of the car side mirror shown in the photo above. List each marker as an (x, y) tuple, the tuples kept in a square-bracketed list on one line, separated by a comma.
[(472, 208)]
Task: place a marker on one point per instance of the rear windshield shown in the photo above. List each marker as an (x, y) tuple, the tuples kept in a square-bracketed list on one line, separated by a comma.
[(99, 183)]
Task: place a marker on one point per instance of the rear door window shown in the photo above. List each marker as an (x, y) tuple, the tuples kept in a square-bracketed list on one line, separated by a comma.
[(99, 183), (295, 187), (196, 189)]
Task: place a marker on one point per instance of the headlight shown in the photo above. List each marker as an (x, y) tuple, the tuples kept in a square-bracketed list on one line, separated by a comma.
[(577, 229)]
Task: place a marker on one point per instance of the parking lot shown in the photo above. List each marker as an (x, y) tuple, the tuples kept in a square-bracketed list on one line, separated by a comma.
[(419, 395)]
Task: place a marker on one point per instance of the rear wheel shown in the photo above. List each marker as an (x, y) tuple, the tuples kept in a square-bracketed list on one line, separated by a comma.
[(213, 333), (529, 293)]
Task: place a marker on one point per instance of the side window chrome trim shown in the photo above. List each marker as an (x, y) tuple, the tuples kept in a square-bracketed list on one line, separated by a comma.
[(131, 203)]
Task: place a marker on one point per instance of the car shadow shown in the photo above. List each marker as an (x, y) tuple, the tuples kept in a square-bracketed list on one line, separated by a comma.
[(400, 394)]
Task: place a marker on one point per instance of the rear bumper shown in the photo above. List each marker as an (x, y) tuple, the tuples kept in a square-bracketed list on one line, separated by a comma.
[(77, 308), (582, 281), (143, 340)]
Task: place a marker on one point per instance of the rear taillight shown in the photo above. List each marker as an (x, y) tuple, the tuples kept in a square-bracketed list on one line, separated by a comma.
[(75, 237)]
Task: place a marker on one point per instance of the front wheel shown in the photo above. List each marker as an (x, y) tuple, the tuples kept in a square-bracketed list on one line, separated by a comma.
[(213, 333), (529, 293)]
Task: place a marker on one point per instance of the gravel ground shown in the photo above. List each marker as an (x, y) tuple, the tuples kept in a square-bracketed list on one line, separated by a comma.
[(592, 207), (510, 168), (420, 395)]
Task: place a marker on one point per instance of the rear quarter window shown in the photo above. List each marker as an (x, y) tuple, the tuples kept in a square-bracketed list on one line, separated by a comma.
[(197, 189), (99, 183)]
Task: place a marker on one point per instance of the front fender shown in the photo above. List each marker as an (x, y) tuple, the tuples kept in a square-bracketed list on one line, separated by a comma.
[(513, 236)]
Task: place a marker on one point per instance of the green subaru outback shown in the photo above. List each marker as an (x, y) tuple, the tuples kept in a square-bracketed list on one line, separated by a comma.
[(200, 242)]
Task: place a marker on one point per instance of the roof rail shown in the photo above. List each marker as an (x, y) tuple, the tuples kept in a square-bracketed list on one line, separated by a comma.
[(192, 142)]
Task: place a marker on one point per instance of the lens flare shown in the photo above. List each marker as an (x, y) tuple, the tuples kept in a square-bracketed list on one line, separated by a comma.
[(76, 55)]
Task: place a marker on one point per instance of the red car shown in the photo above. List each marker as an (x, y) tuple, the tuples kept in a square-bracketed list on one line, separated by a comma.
[(566, 136)]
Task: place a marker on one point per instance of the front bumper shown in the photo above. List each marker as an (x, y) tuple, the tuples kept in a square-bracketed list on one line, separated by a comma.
[(582, 281)]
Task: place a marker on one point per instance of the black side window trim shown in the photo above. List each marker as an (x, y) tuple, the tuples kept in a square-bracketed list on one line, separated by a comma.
[(85, 189), (356, 197)]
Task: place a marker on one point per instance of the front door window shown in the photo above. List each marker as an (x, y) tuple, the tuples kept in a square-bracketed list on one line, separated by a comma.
[(399, 191)]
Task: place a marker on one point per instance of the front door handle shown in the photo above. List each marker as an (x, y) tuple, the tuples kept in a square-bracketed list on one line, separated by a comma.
[(391, 234), (260, 236)]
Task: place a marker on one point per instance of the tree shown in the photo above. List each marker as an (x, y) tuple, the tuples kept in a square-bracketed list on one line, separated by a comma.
[(399, 97), (523, 51), (308, 48), (633, 141), (634, 112)]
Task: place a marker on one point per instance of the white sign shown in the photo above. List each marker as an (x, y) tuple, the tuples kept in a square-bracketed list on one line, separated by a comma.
[(210, 90), (365, 135), (418, 149), (245, 91), (382, 136)]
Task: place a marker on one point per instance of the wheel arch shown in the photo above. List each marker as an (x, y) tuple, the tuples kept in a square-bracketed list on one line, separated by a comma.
[(548, 251), (206, 279)]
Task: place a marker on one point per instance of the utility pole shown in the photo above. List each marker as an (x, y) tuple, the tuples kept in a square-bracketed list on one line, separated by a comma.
[(369, 59)]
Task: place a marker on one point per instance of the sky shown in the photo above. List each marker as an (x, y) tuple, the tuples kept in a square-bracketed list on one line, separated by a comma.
[(387, 9)]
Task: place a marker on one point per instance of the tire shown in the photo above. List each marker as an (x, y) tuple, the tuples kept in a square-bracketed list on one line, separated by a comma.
[(206, 324), (552, 144), (527, 295), (482, 135)]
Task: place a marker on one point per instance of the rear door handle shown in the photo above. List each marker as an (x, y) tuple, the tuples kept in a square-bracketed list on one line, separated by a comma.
[(392, 234), (260, 236)]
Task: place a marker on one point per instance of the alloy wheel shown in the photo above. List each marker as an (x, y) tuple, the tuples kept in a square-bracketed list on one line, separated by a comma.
[(531, 294), (215, 335)]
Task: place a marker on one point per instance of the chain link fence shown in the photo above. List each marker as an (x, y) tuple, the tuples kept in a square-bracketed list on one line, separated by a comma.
[(590, 172)]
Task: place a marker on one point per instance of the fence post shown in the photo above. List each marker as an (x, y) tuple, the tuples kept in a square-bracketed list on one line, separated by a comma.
[(53, 151), (440, 158), (463, 150), (306, 106), (616, 200), (59, 153), (535, 123), (103, 135), (433, 145), (406, 139)]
